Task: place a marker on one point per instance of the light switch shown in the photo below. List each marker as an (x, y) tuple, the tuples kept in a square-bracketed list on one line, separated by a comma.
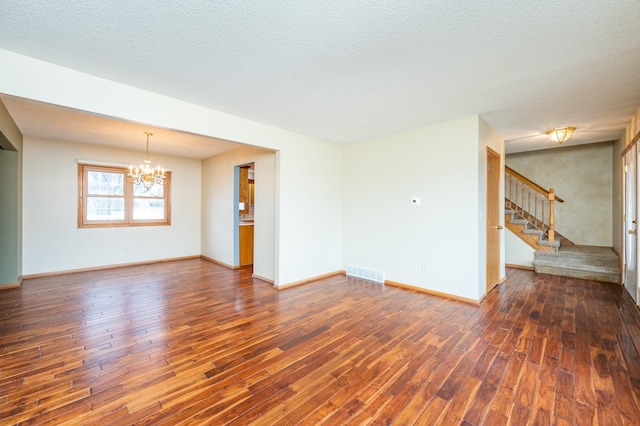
[(240, 206), (415, 201)]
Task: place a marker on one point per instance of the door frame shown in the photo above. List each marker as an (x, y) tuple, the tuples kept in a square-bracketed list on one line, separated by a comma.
[(630, 182)]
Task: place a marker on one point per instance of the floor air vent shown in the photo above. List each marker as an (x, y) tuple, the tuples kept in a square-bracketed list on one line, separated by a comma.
[(365, 274)]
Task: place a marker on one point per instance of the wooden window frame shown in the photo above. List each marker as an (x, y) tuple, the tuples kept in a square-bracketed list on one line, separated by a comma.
[(128, 197)]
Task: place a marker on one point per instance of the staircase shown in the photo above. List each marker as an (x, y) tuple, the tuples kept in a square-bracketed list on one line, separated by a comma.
[(529, 213)]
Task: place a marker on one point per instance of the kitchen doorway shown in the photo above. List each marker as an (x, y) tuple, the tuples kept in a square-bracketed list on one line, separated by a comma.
[(244, 214)]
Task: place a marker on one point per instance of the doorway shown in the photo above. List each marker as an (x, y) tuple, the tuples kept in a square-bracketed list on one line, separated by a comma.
[(493, 226), (244, 208)]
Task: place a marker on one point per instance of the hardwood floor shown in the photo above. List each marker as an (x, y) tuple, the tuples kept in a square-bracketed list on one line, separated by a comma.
[(190, 342)]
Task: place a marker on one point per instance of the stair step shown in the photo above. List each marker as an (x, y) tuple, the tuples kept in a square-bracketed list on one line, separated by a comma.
[(609, 277), (578, 257), (592, 267), (532, 231), (587, 262), (545, 242)]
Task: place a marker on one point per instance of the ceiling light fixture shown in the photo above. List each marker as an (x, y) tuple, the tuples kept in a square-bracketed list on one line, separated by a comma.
[(560, 134), (144, 174)]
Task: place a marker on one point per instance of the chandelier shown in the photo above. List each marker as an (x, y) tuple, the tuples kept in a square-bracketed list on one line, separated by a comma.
[(144, 174), (560, 134)]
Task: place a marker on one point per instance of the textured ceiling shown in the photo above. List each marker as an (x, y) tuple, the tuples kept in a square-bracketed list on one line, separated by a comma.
[(350, 70), (38, 119)]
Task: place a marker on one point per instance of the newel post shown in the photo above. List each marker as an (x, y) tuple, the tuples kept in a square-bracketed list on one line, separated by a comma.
[(552, 232)]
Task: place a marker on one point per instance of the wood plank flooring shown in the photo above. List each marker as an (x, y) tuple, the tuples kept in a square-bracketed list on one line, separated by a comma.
[(190, 342)]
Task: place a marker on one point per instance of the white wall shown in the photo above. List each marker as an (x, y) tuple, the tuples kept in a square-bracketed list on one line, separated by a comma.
[(52, 239), (218, 213), (519, 253), (309, 203), (581, 175), (385, 232), (308, 180)]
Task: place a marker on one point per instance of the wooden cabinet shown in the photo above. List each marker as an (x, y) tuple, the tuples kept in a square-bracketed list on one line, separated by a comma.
[(246, 245)]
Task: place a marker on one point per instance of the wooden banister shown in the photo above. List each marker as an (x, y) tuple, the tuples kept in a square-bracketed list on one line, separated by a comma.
[(520, 192), (530, 183)]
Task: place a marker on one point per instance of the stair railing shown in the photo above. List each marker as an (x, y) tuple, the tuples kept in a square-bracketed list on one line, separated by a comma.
[(531, 201)]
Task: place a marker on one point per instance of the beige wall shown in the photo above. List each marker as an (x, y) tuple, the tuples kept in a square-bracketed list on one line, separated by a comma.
[(52, 239), (218, 208), (581, 175), (437, 245)]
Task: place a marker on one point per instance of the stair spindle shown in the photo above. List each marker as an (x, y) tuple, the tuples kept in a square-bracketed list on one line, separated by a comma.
[(541, 217), (552, 231)]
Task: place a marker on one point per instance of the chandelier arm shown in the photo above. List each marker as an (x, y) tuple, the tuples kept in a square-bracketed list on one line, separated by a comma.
[(146, 175)]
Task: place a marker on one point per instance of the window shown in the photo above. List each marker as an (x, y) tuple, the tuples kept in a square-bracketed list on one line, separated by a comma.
[(105, 198)]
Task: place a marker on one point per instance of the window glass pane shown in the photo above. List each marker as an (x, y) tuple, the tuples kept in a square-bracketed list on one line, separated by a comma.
[(103, 208), (146, 209), (104, 183), (155, 191)]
